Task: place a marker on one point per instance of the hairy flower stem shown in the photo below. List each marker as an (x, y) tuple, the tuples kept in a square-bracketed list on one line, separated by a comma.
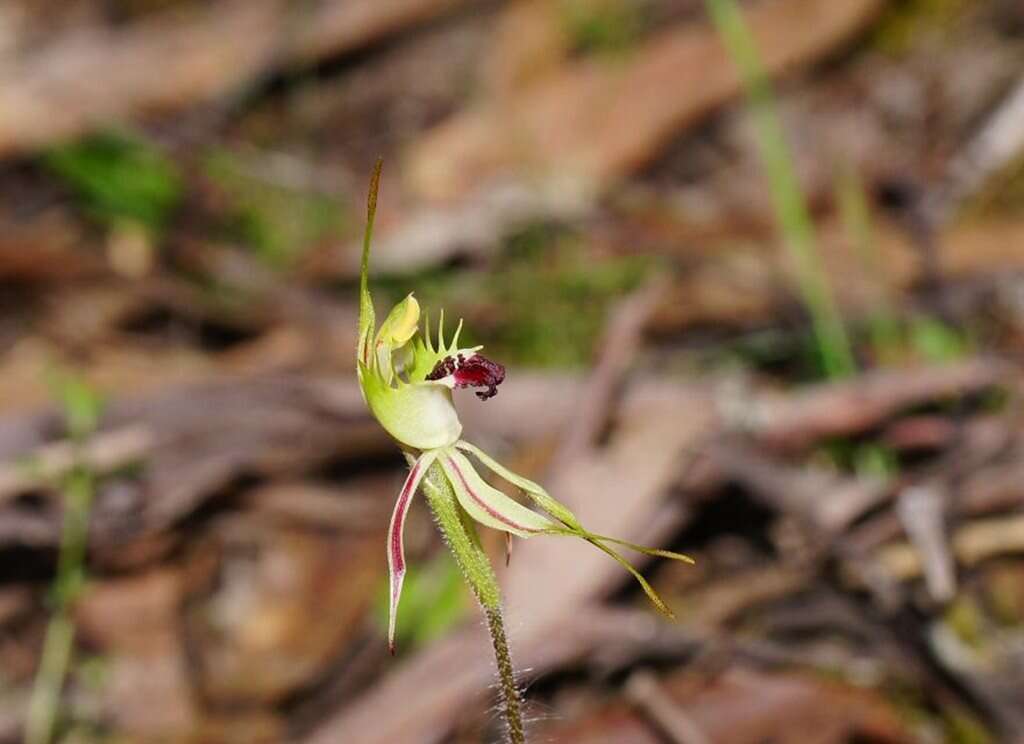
[(509, 691), (476, 568)]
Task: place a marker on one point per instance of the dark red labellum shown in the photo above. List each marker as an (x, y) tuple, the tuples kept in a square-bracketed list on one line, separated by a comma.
[(476, 371)]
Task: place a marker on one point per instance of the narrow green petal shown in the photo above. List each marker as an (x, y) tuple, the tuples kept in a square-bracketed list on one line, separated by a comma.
[(573, 527), (648, 589), (653, 552), (488, 505)]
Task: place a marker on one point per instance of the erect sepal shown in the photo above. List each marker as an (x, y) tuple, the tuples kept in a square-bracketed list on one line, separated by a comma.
[(366, 316)]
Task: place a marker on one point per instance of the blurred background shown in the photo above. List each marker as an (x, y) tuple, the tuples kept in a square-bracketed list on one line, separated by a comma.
[(757, 274)]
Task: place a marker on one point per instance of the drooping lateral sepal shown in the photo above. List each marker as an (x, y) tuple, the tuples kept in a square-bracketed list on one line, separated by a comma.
[(459, 532), (396, 540), (460, 535)]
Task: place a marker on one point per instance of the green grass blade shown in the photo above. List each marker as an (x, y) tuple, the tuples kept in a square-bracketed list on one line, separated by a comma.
[(787, 199)]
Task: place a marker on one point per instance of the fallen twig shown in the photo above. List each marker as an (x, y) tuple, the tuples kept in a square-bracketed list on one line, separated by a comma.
[(841, 409)]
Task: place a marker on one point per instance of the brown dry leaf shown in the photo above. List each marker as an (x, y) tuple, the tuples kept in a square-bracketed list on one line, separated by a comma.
[(24, 370), (737, 281), (270, 607), (976, 541), (134, 624), (743, 706), (598, 120), (798, 419), (721, 599), (969, 249), (91, 76), (530, 40), (45, 248)]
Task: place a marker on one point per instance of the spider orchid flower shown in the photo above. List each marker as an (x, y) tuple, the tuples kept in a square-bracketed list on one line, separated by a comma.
[(407, 374)]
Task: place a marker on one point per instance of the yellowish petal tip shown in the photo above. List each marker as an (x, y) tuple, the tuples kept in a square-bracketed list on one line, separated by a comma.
[(401, 323), (406, 325)]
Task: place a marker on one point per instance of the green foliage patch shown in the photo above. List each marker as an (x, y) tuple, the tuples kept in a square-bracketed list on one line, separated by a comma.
[(277, 222), (118, 177), (543, 302)]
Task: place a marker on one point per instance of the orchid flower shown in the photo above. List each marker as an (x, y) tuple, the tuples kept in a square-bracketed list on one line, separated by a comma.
[(407, 373)]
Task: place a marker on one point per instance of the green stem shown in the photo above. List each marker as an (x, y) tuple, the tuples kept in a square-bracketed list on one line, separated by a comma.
[(476, 568), (855, 214), (44, 703), (510, 698)]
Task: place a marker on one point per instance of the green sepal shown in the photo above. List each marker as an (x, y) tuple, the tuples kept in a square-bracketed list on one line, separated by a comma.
[(573, 528), (366, 315)]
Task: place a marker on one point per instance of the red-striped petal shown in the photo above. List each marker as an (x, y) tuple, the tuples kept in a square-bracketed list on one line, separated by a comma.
[(488, 505)]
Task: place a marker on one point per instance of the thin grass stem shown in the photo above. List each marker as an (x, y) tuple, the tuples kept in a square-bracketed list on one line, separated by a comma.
[(81, 410), (44, 704), (855, 215), (787, 199)]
